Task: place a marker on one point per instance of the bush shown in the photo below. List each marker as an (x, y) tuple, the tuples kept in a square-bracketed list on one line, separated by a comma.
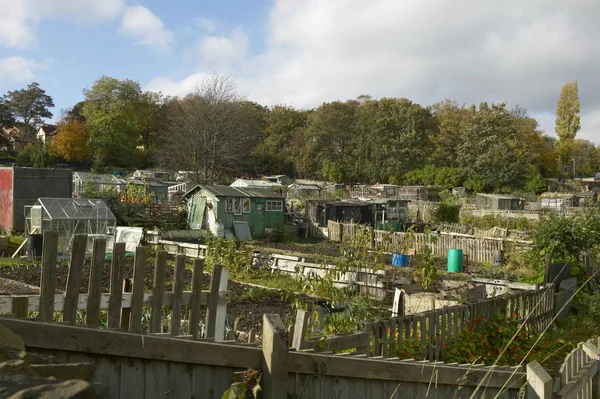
[(449, 213)]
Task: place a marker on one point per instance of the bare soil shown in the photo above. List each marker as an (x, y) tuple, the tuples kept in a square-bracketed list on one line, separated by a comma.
[(247, 309)]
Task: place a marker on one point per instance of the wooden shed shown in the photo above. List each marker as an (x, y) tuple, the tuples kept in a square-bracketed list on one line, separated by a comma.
[(499, 202), (218, 208)]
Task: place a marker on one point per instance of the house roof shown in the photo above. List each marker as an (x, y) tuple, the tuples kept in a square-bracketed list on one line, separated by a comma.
[(228, 191), (254, 183), (499, 196), (49, 130), (304, 186)]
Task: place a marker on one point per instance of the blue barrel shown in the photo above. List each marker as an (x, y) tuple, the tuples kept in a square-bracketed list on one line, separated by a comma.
[(455, 260), (399, 260)]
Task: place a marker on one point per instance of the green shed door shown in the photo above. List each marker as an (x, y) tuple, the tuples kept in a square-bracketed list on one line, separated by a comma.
[(196, 216), (259, 222)]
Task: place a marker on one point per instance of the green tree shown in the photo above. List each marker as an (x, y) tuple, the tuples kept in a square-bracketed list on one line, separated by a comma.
[(586, 158), (29, 107), (567, 123), (118, 115), (35, 155), (274, 152), (450, 120)]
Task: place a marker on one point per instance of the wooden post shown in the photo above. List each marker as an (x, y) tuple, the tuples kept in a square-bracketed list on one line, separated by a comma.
[(158, 288), (594, 353), (302, 317), (137, 298), (213, 299), (95, 285), (197, 275), (126, 312), (48, 280), (275, 358), (177, 298), (20, 305), (116, 285), (539, 382), (221, 314), (398, 304), (74, 278)]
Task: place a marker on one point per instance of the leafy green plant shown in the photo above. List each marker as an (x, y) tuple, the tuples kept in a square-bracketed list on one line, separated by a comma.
[(226, 253), (482, 341), (426, 271), (244, 382)]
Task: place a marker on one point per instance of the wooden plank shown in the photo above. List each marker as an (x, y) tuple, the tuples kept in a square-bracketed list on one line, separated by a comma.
[(19, 306), (116, 288), (176, 299), (133, 379), (298, 340), (157, 380), (203, 381), (215, 282), (275, 358), (126, 312), (117, 343), (95, 284), (197, 275), (107, 371), (137, 298), (74, 278), (48, 278), (160, 269), (221, 314)]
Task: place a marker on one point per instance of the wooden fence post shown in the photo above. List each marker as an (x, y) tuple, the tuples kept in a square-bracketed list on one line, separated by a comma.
[(126, 312), (594, 353), (213, 299), (300, 329), (137, 298), (221, 314), (48, 280), (95, 285), (539, 382), (275, 358), (116, 285), (177, 298), (158, 287), (197, 275), (73, 278)]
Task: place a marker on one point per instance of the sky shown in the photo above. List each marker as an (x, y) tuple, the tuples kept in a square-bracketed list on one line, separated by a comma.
[(304, 53)]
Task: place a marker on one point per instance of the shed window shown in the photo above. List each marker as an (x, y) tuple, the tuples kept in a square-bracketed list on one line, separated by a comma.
[(229, 205), (246, 205), (274, 206), (237, 206)]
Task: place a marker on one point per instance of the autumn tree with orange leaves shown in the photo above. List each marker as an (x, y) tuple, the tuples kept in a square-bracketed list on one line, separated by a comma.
[(71, 141)]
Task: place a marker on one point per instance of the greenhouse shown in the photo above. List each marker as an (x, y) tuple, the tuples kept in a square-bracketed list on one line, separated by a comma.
[(70, 216)]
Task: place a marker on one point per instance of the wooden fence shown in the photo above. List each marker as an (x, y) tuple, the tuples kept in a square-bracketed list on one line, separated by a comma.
[(578, 376), (475, 249), (495, 232), (127, 303), (150, 366), (432, 330)]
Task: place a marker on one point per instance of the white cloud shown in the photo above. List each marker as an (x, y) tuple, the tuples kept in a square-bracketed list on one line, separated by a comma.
[(428, 50), (180, 88), (207, 25), (20, 17), (223, 52), (145, 28), (17, 69)]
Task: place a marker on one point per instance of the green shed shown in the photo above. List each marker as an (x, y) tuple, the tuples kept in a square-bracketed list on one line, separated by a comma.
[(218, 208)]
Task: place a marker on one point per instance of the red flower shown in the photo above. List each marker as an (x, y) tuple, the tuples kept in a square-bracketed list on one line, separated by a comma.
[(514, 314)]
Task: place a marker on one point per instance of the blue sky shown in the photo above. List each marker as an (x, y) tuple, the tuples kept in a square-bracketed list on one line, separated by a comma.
[(303, 53)]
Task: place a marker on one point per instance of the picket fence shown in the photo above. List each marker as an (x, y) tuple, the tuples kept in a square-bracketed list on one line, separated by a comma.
[(578, 376), (475, 249), (126, 299), (432, 330)]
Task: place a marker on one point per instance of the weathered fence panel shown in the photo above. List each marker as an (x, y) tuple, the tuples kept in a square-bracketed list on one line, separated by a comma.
[(124, 302), (475, 249), (578, 376), (150, 366)]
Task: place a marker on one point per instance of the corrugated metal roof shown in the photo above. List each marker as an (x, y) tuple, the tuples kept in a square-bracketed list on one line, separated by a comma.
[(304, 186), (254, 183), (228, 191)]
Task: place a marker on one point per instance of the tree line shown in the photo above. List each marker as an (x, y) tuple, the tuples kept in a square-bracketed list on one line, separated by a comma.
[(217, 134)]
